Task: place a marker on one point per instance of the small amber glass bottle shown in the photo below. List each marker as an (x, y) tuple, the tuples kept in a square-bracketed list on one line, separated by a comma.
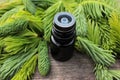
[(63, 36)]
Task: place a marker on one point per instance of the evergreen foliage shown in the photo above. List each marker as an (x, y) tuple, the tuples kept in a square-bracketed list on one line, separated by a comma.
[(25, 29)]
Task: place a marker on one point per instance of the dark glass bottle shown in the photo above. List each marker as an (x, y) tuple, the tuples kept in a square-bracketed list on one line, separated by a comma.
[(63, 36)]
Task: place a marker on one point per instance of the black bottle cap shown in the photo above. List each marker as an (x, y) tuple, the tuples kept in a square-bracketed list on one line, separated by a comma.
[(64, 21)]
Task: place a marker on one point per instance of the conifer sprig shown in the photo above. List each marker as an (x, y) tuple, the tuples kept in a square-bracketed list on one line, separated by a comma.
[(81, 22), (43, 59), (99, 55), (103, 73), (25, 28), (26, 70), (29, 6), (4, 7), (61, 5), (26, 48)]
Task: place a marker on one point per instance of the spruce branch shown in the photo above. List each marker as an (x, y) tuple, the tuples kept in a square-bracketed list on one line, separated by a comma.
[(99, 55), (33, 21), (44, 3), (93, 32), (4, 7), (59, 6), (81, 22), (26, 70), (14, 45), (100, 33), (79, 1), (17, 22), (21, 46), (43, 58), (9, 13), (29, 6), (13, 64), (12, 26), (36, 24), (104, 73), (114, 22), (26, 49), (96, 9), (115, 74), (48, 18), (99, 11)]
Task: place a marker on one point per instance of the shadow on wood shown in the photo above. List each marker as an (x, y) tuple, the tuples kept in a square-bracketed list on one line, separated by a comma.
[(79, 67)]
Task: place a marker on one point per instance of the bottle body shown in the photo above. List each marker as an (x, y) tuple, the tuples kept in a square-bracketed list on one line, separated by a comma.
[(63, 37)]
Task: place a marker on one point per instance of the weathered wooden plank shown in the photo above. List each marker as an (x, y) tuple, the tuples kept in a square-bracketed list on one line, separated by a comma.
[(79, 67)]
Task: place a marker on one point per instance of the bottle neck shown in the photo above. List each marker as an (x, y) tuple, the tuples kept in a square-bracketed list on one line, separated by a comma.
[(63, 31)]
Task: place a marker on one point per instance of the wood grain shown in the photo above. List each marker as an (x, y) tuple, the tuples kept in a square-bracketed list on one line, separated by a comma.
[(79, 67)]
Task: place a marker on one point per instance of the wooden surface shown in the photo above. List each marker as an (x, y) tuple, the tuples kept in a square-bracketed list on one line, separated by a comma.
[(79, 67)]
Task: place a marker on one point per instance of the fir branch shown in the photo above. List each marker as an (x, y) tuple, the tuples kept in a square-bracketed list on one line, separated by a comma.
[(1, 45), (17, 22), (9, 13), (115, 74), (48, 18), (51, 11), (44, 3), (102, 73), (93, 32), (2, 56), (99, 55), (28, 34), (114, 22), (43, 59), (12, 26), (14, 44), (20, 51), (39, 12), (81, 22), (12, 63), (79, 1), (112, 3), (4, 7), (106, 40), (36, 24), (26, 70), (100, 33), (96, 9), (69, 5), (29, 6), (33, 21)]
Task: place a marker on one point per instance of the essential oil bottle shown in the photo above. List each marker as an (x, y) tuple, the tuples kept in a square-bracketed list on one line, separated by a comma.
[(63, 36)]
